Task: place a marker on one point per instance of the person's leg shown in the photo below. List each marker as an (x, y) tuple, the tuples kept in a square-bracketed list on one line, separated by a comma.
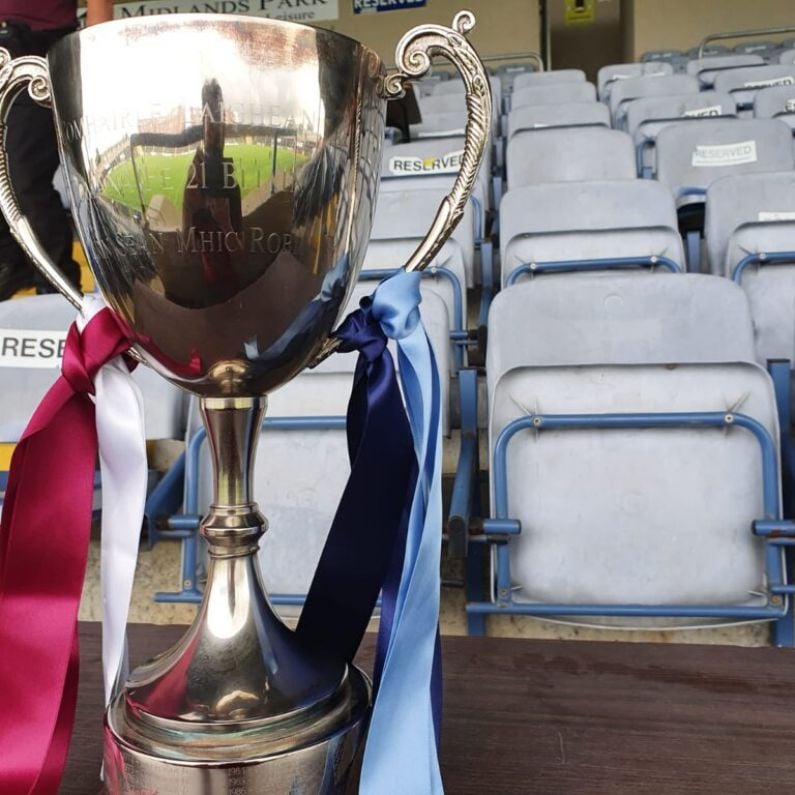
[(33, 159)]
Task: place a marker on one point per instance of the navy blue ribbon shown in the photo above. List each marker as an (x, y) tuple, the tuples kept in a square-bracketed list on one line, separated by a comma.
[(368, 533), (385, 538)]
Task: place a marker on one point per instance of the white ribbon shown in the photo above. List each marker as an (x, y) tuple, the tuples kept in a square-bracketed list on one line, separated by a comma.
[(121, 440)]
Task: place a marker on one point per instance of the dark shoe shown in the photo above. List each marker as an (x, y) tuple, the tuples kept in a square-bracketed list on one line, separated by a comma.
[(13, 279)]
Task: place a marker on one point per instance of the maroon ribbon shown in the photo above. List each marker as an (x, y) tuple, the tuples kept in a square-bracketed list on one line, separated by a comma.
[(44, 539)]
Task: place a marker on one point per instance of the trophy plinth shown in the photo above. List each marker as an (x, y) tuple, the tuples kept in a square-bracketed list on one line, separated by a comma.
[(239, 704)]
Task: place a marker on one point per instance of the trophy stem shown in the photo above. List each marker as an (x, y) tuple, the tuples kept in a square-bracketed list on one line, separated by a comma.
[(238, 704)]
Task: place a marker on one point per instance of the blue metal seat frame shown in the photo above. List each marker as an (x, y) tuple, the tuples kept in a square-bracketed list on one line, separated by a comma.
[(498, 530)]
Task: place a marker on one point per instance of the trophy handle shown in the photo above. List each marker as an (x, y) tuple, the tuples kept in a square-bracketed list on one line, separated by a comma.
[(413, 57), (17, 74)]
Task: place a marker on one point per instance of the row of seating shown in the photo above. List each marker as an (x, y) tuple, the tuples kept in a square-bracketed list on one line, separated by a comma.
[(620, 405)]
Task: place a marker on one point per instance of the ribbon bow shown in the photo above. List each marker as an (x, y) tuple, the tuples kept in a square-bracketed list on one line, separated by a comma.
[(44, 540), (387, 535)]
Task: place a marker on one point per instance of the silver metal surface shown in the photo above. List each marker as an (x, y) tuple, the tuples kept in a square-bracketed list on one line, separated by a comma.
[(223, 174), (238, 704)]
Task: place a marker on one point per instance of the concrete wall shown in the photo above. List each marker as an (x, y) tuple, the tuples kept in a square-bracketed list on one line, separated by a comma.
[(659, 24), (502, 25)]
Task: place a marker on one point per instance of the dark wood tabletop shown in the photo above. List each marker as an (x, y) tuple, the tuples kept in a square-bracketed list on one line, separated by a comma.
[(548, 717)]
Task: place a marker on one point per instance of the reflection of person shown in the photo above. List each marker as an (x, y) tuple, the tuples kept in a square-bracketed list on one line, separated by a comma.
[(211, 205), (31, 28)]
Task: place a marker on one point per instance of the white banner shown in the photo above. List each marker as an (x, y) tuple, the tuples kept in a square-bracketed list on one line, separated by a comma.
[(31, 348), (725, 154), (290, 10)]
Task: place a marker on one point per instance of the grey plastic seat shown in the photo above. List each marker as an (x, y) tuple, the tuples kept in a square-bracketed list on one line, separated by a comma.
[(648, 115), (628, 516), (440, 124), (668, 56), (692, 155), (596, 221), (508, 73), (706, 104), (625, 91), (763, 48), (777, 102), (743, 84), (553, 94), (570, 114), (569, 154), (609, 75), (455, 87), (554, 76), (749, 215), (707, 68), (434, 163), (787, 57)]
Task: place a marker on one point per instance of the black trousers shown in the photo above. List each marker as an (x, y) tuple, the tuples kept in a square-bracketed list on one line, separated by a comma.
[(32, 150)]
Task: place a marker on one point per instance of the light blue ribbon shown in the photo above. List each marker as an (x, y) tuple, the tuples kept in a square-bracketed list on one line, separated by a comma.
[(401, 754)]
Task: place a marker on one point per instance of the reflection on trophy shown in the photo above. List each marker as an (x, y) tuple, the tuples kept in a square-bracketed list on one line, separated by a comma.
[(220, 204)]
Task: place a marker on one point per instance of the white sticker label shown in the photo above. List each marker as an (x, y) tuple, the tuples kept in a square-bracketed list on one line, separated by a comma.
[(789, 105), (778, 215), (724, 154), (788, 80), (28, 348), (697, 113), (443, 164)]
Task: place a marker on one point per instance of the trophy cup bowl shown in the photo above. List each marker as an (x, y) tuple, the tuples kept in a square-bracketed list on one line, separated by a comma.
[(223, 174)]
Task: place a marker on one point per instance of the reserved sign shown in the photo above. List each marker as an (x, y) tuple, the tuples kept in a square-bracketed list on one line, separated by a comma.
[(697, 113), (31, 348), (724, 154), (443, 164)]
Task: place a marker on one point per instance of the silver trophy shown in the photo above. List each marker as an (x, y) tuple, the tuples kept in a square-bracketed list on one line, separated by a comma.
[(223, 174)]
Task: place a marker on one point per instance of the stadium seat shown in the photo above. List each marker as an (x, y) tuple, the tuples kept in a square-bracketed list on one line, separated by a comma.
[(633, 444), (743, 84), (776, 103), (706, 69), (552, 94), (584, 226), (787, 57), (668, 56), (749, 230), (609, 75), (570, 114), (646, 116), (692, 155), (508, 72), (440, 124), (763, 48), (552, 77), (625, 91), (434, 163), (566, 154)]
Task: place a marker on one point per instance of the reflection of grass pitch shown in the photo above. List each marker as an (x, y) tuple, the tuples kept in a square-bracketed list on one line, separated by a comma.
[(166, 175)]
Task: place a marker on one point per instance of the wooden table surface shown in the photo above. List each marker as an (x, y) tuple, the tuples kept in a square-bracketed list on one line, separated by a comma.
[(548, 717)]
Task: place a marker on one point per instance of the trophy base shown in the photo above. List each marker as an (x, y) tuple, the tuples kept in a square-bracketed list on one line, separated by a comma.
[(313, 752)]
